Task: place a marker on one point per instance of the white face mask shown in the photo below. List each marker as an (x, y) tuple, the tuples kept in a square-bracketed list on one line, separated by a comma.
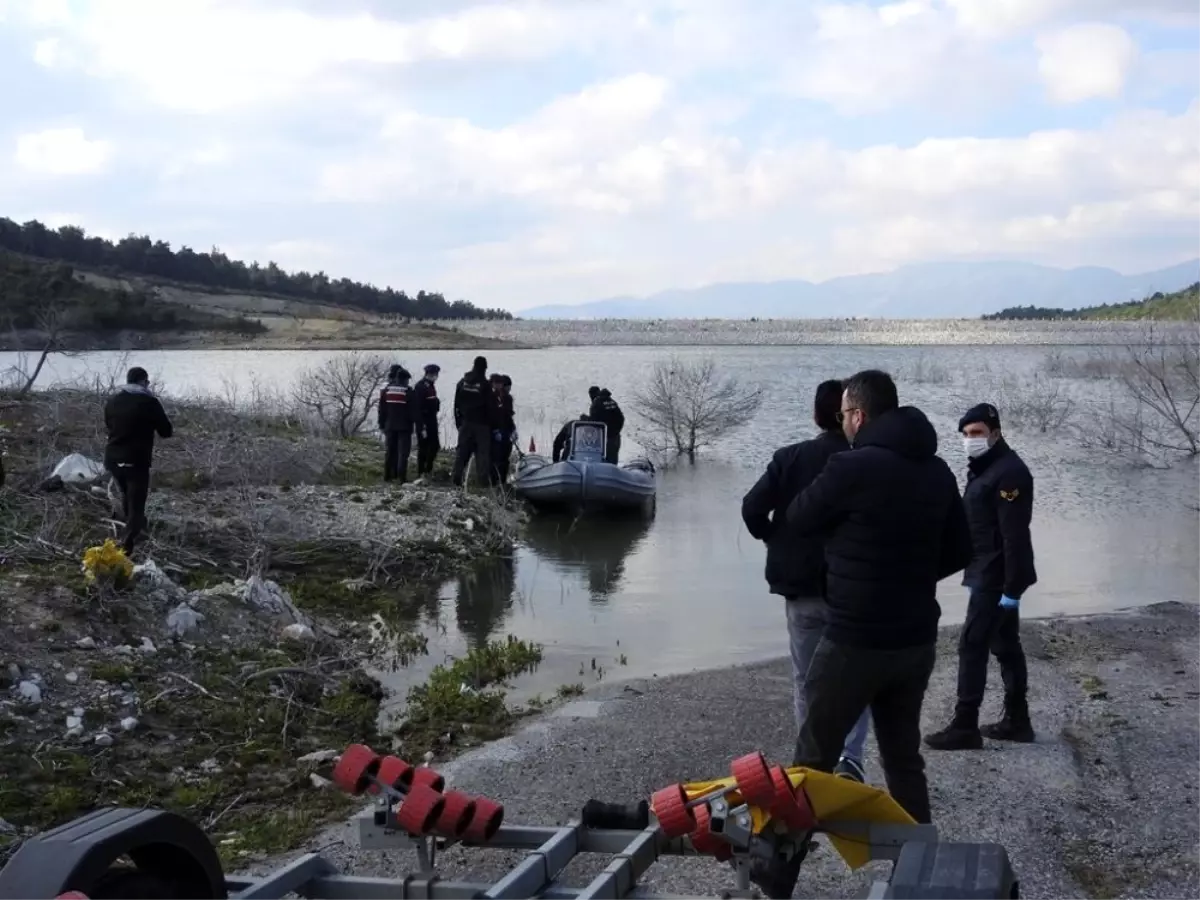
[(975, 446)]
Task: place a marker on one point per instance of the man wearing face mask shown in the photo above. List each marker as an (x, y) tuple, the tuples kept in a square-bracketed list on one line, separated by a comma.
[(999, 504)]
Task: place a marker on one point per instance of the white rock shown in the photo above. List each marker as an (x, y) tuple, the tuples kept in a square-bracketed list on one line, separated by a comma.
[(150, 572), (298, 632), (318, 782), (104, 739), (182, 620), (129, 723), (71, 677), (147, 646), (74, 722), (124, 650), (210, 765), (469, 524), (77, 711), (319, 756), (86, 643), (29, 692)]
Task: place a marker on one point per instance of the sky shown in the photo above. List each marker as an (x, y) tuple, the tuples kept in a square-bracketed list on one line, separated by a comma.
[(521, 153)]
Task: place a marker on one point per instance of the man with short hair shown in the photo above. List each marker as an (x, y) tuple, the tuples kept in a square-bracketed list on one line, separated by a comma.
[(796, 565), (132, 417), (426, 406), (605, 409), (893, 524), (999, 505)]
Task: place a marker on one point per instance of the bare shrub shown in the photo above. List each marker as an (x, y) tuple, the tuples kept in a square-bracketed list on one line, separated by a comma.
[(926, 371), (1037, 404), (49, 335), (687, 406), (342, 393), (1059, 364)]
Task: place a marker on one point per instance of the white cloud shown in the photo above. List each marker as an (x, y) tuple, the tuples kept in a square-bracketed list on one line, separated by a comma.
[(61, 151), (1007, 17), (1085, 61)]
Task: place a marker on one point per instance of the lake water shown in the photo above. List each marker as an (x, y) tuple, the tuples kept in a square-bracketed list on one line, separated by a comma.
[(612, 600)]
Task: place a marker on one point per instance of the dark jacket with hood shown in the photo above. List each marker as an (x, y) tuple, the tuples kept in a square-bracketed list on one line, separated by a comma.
[(426, 404), (795, 563), (605, 409), (504, 416), (473, 399), (999, 504), (395, 405), (561, 448), (133, 416), (894, 526)]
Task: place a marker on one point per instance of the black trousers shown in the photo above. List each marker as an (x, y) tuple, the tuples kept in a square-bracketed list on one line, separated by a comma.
[(134, 483), (990, 629), (501, 459), (612, 450), (395, 457), (427, 450), (843, 681), (473, 440)]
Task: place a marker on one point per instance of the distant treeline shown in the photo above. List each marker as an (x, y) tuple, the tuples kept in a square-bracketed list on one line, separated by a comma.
[(1175, 306), (48, 298), (216, 272)]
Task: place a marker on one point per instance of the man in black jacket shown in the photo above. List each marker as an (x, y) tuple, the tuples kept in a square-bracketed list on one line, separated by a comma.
[(893, 523), (605, 409), (796, 565), (426, 407), (473, 418), (132, 417), (561, 448), (999, 504), (396, 423)]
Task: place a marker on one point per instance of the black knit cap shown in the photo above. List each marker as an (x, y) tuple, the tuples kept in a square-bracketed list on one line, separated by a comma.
[(432, 369), (983, 412)]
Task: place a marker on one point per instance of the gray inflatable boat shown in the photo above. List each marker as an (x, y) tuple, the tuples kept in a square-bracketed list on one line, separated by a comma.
[(583, 481)]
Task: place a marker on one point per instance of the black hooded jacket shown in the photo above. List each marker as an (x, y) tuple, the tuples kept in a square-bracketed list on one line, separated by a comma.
[(426, 405), (894, 526), (795, 564), (472, 400), (605, 409), (133, 416)]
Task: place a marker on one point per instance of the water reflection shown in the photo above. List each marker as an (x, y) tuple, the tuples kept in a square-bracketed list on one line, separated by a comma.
[(598, 546), (483, 598)]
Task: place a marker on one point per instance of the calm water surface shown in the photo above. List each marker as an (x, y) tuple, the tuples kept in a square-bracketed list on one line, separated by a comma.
[(620, 599)]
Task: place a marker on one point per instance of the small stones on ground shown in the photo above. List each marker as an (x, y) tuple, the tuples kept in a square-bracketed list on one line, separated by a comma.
[(129, 723), (319, 756), (210, 765), (14, 673), (86, 643), (469, 524), (29, 692), (318, 782), (147, 647), (183, 620), (298, 631), (71, 677), (103, 739), (75, 726)]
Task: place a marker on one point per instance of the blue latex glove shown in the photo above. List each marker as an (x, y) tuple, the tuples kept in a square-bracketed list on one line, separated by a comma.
[(497, 436), (1007, 602)]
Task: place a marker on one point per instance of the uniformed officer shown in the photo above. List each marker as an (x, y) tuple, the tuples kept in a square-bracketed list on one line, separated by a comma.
[(999, 504), (396, 423)]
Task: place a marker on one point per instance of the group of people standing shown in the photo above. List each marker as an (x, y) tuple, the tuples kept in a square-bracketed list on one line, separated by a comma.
[(483, 417), (861, 523)]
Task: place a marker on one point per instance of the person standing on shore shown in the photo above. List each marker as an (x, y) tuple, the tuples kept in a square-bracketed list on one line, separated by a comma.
[(893, 523), (132, 417), (426, 406), (396, 423), (796, 565), (999, 504), (504, 435), (473, 419)]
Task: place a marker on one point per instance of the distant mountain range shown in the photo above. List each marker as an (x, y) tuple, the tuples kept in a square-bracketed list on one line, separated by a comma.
[(944, 290)]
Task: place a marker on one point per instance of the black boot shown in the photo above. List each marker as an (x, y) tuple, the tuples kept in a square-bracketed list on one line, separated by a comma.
[(1014, 726), (961, 734)]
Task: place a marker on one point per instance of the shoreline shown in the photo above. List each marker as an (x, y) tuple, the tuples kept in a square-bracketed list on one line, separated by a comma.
[(1103, 804)]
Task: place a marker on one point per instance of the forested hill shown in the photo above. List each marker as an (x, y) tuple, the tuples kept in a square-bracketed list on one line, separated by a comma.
[(1176, 306), (217, 273)]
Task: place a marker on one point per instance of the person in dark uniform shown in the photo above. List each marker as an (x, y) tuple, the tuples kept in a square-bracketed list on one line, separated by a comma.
[(396, 423), (505, 431), (605, 409), (426, 406), (562, 441), (133, 416), (473, 419), (999, 505)]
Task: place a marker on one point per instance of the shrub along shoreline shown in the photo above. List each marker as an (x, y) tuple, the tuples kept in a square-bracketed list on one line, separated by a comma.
[(224, 674)]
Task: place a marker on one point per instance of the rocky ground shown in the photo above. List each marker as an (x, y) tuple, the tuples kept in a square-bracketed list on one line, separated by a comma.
[(223, 676), (1102, 805)]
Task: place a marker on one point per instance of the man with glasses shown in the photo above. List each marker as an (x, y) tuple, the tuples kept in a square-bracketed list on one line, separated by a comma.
[(893, 525)]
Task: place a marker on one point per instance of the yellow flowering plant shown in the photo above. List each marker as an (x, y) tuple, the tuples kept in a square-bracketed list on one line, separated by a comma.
[(107, 565)]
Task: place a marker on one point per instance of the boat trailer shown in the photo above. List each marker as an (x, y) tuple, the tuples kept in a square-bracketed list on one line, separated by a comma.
[(757, 814)]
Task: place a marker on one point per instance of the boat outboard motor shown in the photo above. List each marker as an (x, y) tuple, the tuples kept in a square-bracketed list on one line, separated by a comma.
[(587, 442)]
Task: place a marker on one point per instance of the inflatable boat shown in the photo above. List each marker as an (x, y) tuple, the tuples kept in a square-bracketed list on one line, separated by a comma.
[(583, 481)]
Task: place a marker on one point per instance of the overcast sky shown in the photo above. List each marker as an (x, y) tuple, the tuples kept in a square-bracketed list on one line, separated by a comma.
[(519, 153)]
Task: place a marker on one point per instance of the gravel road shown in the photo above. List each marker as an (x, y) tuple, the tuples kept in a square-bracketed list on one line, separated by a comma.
[(1104, 804)]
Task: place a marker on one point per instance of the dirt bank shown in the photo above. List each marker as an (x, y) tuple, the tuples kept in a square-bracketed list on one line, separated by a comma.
[(1102, 805)]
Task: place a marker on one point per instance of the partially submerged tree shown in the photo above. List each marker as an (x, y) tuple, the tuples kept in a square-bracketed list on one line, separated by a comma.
[(342, 393), (687, 405)]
